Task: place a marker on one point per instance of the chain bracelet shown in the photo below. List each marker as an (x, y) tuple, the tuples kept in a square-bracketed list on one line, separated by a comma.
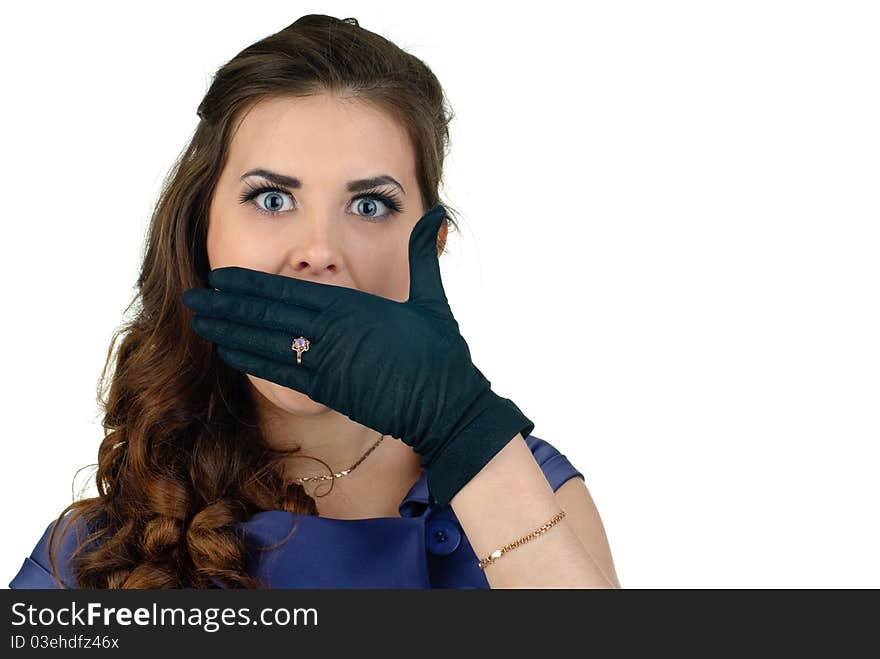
[(498, 553)]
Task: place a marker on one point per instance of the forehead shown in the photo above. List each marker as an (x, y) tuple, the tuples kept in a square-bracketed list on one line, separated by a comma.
[(322, 134)]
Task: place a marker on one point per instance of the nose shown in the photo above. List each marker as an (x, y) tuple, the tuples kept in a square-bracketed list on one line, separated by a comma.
[(314, 247)]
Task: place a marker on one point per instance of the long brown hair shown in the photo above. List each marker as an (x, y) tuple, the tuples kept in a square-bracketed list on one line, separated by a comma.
[(183, 459)]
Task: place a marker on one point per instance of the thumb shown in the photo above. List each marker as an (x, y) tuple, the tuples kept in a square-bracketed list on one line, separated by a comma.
[(425, 282)]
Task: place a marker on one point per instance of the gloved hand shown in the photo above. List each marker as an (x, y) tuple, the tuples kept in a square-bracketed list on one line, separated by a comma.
[(400, 368)]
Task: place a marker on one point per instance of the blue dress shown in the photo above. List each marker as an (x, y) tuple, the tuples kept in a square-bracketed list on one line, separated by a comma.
[(423, 548)]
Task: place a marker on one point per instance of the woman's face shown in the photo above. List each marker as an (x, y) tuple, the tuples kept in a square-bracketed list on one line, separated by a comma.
[(328, 223)]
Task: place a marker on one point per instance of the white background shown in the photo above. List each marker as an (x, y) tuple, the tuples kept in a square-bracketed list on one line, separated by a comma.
[(669, 256)]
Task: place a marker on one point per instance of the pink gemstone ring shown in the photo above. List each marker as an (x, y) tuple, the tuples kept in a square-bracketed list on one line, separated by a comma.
[(301, 345)]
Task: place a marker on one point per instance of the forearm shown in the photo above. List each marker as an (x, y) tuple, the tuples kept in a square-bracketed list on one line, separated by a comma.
[(508, 499)]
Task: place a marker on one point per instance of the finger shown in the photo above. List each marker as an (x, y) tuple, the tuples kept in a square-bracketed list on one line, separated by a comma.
[(266, 369), (259, 312), (270, 344), (425, 281), (310, 294)]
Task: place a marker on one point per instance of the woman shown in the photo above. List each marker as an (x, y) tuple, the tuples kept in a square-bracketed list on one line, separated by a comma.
[(291, 317)]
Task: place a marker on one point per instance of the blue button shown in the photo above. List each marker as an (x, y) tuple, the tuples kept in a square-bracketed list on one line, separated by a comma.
[(442, 536)]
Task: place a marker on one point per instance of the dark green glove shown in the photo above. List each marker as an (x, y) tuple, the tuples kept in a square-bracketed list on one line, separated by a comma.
[(400, 368)]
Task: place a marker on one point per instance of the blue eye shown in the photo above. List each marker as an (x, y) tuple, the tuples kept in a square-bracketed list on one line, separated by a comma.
[(270, 193), (385, 198), (370, 201)]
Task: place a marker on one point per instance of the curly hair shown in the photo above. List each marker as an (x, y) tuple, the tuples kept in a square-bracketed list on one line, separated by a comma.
[(184, 460)]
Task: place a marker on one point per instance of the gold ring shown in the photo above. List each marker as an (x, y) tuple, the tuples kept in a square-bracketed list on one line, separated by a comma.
[(301, 345)]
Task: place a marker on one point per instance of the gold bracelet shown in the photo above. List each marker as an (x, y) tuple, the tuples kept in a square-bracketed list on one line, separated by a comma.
[(498, 553)]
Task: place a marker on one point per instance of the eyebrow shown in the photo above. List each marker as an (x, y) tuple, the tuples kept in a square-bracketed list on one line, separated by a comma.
[(357, 185)]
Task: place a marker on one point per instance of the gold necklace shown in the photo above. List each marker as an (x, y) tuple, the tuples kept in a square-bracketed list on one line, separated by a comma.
[(305, 479)]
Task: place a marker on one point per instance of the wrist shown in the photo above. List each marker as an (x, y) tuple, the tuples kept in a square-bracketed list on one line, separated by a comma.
[(492, 422)]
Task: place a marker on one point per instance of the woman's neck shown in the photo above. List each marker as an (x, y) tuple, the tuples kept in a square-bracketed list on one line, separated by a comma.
[(373, 489)]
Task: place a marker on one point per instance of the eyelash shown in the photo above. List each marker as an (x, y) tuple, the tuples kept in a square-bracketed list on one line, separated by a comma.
[(390, 199)]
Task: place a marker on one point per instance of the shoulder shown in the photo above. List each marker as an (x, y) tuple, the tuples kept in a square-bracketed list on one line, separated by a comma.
[(556, 466), (36, 572)]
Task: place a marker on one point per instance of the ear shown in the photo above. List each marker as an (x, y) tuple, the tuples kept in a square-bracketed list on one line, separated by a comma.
[(441, 236)]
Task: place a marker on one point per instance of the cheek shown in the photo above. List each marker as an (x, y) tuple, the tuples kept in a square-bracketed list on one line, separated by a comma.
[(211, 246), (230, 241), (220, 244), (386, 271)]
